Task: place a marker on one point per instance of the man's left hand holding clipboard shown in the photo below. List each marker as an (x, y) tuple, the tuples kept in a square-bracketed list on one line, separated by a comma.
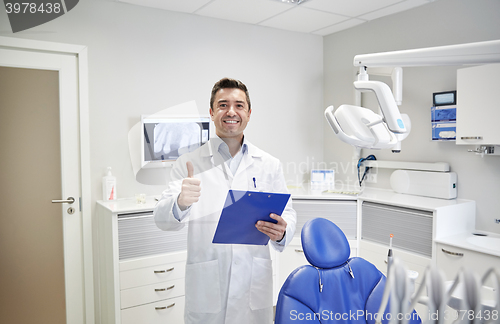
[(245, 212), (276, 232), (190, 194)]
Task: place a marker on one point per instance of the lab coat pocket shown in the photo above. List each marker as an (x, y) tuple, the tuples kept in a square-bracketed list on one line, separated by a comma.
[(261, 289), (259, 185), (203, 287)]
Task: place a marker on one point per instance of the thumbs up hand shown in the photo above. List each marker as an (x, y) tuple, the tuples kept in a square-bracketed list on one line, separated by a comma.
[(191, 189)]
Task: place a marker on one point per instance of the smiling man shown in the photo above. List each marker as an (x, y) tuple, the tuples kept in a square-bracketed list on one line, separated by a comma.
[(225, 283)]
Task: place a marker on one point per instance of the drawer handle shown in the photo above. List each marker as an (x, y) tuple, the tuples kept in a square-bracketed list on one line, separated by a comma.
[(163, 289), (165, 307), (299, 250), (452, 253), (163, 271)]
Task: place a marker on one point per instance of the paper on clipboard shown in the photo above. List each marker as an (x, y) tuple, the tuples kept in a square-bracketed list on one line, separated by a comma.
[(242, 210)]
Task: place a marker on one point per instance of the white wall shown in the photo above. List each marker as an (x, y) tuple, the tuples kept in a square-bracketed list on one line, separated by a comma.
[(444, 22), (143, 60)]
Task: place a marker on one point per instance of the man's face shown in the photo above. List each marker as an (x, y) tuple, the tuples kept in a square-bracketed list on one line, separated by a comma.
[(230, 113)]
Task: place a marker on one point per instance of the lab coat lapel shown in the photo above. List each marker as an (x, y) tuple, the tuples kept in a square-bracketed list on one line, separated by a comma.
[(217, 160), (245, 163), (248, 159)]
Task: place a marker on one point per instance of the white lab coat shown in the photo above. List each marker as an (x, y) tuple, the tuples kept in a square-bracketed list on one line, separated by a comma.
[(225, 283)]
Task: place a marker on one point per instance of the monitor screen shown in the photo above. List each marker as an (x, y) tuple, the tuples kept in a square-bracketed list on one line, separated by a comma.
[(167, 138)]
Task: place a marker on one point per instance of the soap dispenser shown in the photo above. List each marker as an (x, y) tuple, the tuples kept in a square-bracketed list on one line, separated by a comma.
[(109, 186)]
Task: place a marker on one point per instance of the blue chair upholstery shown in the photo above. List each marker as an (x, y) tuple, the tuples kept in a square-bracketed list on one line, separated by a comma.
[(325, 291)]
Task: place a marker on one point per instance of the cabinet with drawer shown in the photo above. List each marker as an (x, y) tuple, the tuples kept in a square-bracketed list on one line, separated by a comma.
[(451, 259), (141, 268), (415, 222)]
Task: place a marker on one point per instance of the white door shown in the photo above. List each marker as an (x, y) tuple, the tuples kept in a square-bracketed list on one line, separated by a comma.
[(65, 270)]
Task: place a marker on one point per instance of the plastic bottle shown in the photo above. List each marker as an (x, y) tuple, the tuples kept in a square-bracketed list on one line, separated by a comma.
[(109, 186)]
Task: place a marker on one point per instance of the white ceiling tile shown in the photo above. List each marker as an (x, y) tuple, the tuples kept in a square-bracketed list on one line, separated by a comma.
[(303, 20), (340, 26), (320, 17), (247, 11), (173, 5), (351, 8), (402, 6)]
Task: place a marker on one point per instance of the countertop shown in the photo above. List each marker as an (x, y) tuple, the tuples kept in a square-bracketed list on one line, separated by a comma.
[(383, 196), (462, 240), (129, 205)]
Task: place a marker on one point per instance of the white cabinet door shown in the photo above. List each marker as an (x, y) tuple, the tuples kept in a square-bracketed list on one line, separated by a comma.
[(290, 259), (450, 259), (342, 212), (478, 109), (377, 255), (142, 269)]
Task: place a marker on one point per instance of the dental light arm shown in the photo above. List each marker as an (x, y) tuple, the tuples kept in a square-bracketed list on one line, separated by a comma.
[(390, 111), (363, 130), (396, 75), (471, 53)]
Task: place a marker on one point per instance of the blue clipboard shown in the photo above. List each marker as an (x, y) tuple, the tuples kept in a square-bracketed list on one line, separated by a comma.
[(242, 210)]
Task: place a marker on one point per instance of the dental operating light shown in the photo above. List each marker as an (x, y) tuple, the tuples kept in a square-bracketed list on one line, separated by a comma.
[(363, 128)]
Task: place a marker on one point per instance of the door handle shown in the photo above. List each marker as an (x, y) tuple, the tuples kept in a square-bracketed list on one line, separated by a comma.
[(68, 200)]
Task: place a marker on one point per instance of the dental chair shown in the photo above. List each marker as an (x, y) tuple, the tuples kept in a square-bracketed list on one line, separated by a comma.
[(334, 288)]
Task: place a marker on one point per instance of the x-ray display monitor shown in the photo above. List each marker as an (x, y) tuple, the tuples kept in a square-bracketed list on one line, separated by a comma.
[(167, 138)]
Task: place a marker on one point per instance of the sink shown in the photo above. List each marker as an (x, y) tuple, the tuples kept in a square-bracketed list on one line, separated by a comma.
[(486, 242)]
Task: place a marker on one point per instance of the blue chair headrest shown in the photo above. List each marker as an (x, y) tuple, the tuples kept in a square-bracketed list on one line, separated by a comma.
[(324, 244)]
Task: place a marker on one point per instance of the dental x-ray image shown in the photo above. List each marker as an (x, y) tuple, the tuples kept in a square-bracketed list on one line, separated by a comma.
[(164, 141)]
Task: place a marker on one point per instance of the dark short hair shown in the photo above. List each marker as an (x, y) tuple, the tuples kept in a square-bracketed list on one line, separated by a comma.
[(227, 83)]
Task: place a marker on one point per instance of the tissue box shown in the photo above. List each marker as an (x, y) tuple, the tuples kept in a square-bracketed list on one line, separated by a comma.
[(443, 113), (444, 131), (322, 179), (444, 127)]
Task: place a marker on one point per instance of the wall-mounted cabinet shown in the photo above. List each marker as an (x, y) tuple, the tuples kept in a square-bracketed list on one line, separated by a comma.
[(478, 105)]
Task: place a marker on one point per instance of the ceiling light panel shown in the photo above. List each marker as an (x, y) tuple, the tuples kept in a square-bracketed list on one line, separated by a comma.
[(304, 20), (247, 11), (172, 5)]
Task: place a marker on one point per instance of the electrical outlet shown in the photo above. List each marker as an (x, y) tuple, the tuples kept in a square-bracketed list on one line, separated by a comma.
[(371, 178)]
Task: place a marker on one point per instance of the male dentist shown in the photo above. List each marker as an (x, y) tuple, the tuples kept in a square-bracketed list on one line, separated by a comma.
[(225, 283)]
